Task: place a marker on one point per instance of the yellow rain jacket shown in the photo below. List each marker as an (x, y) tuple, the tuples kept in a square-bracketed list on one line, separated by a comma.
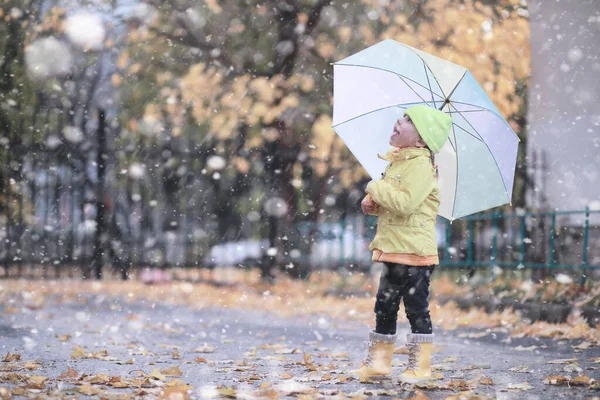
[(408, 197)]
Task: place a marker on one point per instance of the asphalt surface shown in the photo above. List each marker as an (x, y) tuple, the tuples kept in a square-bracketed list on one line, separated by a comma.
[(246, 349)]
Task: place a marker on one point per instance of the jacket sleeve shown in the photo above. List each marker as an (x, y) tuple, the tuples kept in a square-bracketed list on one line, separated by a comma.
[(415, 186)]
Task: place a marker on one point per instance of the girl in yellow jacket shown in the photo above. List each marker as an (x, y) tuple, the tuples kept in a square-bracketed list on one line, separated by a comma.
[(406, 202)]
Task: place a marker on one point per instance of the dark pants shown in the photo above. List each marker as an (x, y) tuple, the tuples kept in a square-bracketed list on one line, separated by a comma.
[(408, 282)]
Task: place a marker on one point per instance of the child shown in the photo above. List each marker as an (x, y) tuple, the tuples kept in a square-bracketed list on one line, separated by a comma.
[(406, 202)]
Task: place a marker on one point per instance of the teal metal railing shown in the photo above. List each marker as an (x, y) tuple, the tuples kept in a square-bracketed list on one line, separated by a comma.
[(555, 240)]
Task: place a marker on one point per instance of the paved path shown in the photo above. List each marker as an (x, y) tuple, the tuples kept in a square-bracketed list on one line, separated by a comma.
[(251, 348)]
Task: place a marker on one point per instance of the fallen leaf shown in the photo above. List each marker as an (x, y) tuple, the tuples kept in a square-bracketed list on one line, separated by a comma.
[(78, 352), (285, 376), (71, 373), (204, 349), (173, 371), (64, 338), (595, 360), (556, 380), (119, 384), (31, 366), (200, 360), (37, 382), (99, 354), (308, 362), (174, 393), (530, 348), (582, 380), (100, 378), (562, 361), (88, 390), (519, 386), (419, 395), (176, 355), (270, 394), (521, 369), (450, 359), (228, 392), (12, 357), (583, 345), (486, 380), (156, 374)]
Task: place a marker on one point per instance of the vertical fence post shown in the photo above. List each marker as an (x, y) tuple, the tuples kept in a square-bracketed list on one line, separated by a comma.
[(586, 238), (494, 240), (522, 236), (470, 244), (448, 243), (99, 238), (552, 240)]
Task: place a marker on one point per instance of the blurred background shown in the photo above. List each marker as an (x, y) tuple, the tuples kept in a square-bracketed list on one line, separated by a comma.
[(171, 135)]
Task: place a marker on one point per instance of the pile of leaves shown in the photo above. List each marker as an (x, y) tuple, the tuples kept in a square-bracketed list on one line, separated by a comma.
[(561, 290)]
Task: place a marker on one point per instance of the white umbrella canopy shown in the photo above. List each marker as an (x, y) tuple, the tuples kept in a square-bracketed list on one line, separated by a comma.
[(374, 87)]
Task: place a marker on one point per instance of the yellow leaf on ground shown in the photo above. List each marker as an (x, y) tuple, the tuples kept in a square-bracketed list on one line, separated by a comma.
[(12, 357), (581, 380), (174, 393), (228, 392), (88, 390), (486, 380), (100, 354), (31, 366), (78, 352), (530, 348), (155, 373), (419, 395), (37, 382), (519, 386), (270, 394), (562, 361), (100, 378), (583, 345), (173, 371), (64, 338), (308, 362), (264, 385), (200, 360), (204, 349), (556, 380), (285, 376), (71, 373)]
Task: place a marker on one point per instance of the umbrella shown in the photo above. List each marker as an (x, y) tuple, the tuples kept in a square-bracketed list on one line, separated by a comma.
[(371, 90)]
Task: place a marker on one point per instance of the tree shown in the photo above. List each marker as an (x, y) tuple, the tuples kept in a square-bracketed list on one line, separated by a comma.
[(251, 82)]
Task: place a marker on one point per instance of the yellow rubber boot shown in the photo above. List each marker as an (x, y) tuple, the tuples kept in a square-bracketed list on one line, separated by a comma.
[(378, 363), (419, 358)]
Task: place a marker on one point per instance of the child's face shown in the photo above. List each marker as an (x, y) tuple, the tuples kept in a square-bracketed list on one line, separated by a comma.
[(405, 134)]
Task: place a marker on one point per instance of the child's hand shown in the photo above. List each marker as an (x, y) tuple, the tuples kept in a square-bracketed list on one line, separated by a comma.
[(368, 205)]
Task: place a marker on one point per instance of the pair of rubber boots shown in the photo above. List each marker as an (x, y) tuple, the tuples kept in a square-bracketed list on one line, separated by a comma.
[(378, 363)]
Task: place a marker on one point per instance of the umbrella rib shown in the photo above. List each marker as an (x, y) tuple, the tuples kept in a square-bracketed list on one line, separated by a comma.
[(418, 95), (481, 109), (372, 111), (391, 72), (491, 152), (429, 83), (432, 74), (473, 136), (455, 186)]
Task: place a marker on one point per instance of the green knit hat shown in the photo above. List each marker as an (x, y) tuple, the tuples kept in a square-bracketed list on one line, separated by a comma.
[(433, 125)]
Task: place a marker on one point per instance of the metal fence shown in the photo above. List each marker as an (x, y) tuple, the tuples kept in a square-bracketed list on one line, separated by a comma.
[(67, 207), (544, 241)]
